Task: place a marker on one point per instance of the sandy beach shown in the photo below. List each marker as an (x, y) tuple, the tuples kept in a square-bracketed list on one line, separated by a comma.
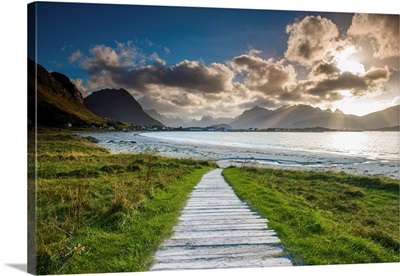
[(135, 142)]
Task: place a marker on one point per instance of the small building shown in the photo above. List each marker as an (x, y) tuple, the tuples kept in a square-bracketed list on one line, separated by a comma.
[(194, 128)]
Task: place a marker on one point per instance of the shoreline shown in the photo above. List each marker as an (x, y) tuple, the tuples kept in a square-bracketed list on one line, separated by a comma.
[(133, 142)]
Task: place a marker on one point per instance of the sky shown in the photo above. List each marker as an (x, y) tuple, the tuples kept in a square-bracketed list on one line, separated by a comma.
[(194, 62)]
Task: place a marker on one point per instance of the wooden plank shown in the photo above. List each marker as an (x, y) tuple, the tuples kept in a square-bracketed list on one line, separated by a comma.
[(223, 233), (186, 222), (217, 230), (221, 215), (223, 252), (221, 241), (205, 252), (216, 227), (228, 263)]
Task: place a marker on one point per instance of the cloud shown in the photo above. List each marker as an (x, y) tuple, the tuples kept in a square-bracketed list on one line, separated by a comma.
[(187, 75), (325, 68), (357, 84), (253, 52), (377, 74), (345, 81), (264, 75), (381, 30), (125, 66), (178, 103), (75, 56), (126, 55), (79, 84), (157, 59), (191, 88), (310, 40)]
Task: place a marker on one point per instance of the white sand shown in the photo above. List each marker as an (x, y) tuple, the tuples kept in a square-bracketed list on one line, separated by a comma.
[(133, 142)]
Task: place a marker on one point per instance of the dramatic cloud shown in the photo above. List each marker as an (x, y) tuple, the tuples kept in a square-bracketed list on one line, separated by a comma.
[(187, 75), (184, 88), (79, 84), (325, 69), (75, 56), (265, 75), (377, 74), (318, 68), (356, 84), (126, 67), (310, 39), (345, 81), (157, 59), (177, 103), (381, 30), (105, 58)]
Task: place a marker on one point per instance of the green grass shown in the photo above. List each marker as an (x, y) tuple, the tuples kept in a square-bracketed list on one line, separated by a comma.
[(99, 212), (325, 218)]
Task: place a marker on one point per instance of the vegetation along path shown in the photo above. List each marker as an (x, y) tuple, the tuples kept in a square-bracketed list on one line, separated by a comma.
[(217, 230)]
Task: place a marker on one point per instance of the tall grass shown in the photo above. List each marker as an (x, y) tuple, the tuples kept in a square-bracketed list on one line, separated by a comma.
[(325, 218), (98, 212)]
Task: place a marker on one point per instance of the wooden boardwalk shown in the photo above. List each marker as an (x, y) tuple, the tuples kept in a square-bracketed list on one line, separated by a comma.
[(217, 230)]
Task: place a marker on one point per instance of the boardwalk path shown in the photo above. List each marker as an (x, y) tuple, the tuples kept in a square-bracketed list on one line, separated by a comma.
[(217, 230)]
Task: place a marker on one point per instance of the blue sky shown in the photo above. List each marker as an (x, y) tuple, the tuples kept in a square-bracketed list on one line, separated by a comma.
[(191, 62), (189, 33)]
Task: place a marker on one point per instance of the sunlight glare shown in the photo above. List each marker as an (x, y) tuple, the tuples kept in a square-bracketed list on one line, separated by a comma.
[(359, 108), (344, 61)]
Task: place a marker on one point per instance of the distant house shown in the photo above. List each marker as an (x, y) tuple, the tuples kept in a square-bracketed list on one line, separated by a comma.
[(152, 128), (194, 128)]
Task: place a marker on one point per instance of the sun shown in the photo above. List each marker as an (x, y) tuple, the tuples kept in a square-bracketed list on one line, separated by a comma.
[(344, 60)]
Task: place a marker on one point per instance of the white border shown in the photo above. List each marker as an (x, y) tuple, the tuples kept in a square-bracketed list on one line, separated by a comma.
[(13, 121)]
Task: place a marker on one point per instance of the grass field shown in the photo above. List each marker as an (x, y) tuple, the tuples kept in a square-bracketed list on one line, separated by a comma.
[(325, 218), (98, 212)]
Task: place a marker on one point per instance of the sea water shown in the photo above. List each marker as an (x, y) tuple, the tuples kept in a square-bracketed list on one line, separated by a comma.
[(373, 153), (383, 145)]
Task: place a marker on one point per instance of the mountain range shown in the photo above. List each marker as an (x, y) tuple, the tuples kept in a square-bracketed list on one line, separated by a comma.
[(59, 101), (294, 117), (305, 116)]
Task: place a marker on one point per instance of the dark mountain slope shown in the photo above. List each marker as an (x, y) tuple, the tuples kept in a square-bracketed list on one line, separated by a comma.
[(120, 105), (55, 99)]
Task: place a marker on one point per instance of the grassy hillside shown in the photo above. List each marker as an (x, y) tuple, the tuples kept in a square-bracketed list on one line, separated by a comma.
[(55, 102), (325, 218), (60, 110), (99, 212)]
